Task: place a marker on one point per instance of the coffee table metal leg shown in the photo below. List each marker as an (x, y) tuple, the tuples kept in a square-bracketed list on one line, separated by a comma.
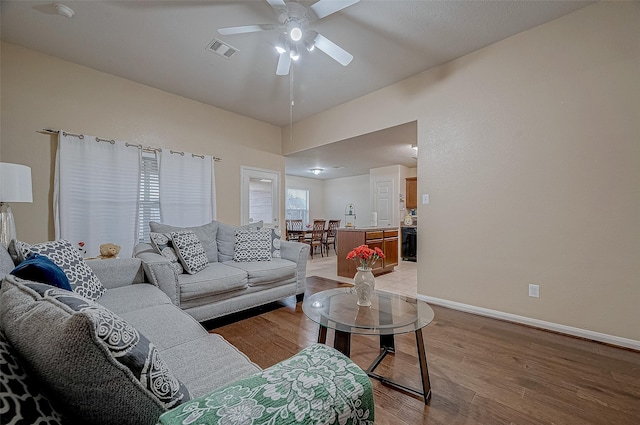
[(322, 335), (342, 342), (424, 369)]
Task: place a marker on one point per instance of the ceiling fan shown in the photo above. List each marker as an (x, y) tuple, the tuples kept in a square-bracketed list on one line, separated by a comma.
[(295, 34)]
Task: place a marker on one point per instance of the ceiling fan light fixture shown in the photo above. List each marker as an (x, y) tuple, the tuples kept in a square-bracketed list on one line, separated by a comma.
[(295, 34), (310, 45), (294, 54), (316, 171), (281, 45)]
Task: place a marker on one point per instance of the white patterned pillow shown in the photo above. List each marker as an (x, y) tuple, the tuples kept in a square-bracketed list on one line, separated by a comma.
[(190, 251), (82, 279), (252, 245), (163, 244), (275, 243)]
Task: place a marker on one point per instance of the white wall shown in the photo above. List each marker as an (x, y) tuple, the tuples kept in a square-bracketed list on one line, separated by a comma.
[(340, 192), (530, 152)]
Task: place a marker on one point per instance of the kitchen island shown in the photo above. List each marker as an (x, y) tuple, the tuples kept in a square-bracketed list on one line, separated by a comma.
[(385, 238)]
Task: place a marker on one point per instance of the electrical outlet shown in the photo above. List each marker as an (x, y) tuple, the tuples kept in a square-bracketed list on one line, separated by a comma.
[(534, 290)]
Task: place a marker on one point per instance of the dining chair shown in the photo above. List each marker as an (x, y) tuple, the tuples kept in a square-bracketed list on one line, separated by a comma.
[(295, 232), (317, 235), (330, 236)]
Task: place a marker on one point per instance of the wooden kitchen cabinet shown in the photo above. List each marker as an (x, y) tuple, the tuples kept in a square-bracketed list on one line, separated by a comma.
[(412, 193), (384, 238)]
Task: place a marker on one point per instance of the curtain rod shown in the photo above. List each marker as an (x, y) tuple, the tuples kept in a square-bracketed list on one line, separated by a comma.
[(144, 148)]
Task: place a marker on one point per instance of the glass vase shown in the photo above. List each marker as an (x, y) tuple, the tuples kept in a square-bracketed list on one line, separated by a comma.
[(364, 284)]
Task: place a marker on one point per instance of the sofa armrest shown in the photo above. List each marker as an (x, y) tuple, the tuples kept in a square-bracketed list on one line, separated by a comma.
[(317, 385), (298, 253), (117, 272), (158, 271)]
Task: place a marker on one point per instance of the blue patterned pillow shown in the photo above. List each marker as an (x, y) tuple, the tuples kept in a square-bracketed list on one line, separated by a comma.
[(39, 268), (252, 245), (21, 402)]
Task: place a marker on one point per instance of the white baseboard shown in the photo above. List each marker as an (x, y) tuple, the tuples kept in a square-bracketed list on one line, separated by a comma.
[(555, 327)]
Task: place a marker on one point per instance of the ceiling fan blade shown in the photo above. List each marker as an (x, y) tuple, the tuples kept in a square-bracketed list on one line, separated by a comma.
[(336, 52), (278, 5), (284, 63), (324, 8), (246, 28)]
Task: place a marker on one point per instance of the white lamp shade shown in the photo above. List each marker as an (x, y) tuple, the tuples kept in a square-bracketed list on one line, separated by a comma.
[(15, 183)]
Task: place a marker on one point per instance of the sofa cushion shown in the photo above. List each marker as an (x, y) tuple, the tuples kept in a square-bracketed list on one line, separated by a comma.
[(208, 362), (132, 298), (82, 279), (252, 245), (216, 278), (227, 238), (21, 401), (165, 325), (265, 272), (39, 268), (190, 251), (207, 233), (108, 371), (163, 245)]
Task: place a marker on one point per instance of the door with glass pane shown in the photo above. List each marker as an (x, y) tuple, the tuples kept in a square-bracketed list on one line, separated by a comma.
[(260, 196)]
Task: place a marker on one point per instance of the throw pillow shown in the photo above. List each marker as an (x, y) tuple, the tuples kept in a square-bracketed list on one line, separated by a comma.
[(104, 370), (163, 244), (39, 268), (190, 251), (18, 251), (207, 233), (81, 277), (275, 243), (252, 245), (20, 397), (227, 238)]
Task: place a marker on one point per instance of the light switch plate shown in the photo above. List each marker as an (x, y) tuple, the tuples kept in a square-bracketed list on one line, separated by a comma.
[(425, 198)]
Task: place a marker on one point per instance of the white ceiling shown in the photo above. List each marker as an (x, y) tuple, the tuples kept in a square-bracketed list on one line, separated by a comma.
[(162, 44)]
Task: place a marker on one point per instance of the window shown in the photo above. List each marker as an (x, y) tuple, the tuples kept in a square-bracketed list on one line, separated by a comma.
[(297, 204), (149, 197)]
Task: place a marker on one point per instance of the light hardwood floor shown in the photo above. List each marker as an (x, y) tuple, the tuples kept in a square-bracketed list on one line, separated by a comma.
[(483, 371)]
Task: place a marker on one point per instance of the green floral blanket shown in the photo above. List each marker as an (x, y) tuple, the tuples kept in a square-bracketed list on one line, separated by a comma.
[(319, 385)]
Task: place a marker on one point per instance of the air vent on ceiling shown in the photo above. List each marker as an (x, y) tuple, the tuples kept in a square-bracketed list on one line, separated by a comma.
[(221, 48)]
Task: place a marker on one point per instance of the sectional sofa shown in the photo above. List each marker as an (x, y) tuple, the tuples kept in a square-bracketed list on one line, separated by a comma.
[(240, 267), (125, 354)]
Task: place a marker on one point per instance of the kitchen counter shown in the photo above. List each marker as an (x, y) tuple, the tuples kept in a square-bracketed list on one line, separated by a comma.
[(367, 229), (385, 238)]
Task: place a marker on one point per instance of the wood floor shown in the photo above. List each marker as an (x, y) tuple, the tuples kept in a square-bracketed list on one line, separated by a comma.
[(483, 371)]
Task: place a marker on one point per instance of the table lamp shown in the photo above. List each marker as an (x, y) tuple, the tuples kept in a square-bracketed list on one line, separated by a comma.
[(15, 186)]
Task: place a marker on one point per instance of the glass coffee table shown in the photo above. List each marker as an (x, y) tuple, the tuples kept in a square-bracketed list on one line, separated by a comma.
[(389, 315)]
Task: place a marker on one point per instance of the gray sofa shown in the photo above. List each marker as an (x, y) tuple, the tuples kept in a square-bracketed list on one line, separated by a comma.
[(133, 357), (226, 285)]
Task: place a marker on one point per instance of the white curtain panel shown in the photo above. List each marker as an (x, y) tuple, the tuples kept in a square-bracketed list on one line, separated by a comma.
[(187, 189), (96, 193)]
